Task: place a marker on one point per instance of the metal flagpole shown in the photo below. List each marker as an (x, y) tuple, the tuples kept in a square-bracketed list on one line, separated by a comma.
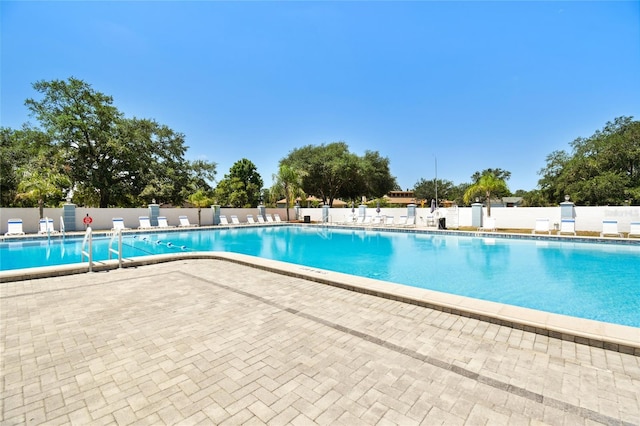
[(436, 182)]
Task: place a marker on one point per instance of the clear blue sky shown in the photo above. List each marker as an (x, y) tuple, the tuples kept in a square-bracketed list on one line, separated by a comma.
[(474, 84)]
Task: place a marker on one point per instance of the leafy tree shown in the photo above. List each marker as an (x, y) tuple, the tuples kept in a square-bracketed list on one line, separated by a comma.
[(17, 149), (41, 182), (378, 180), (602, 169), (200, 199), (111, 159), (487, 184), (203, 174), (287, 182), (334, 172), (241, 187), (426, 189)]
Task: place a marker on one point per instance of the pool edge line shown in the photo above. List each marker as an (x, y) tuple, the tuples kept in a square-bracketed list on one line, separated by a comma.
[(615, 337)]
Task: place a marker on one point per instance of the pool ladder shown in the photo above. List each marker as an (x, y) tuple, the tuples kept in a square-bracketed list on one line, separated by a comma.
[(87, 247), (87, 241), (116, 234)]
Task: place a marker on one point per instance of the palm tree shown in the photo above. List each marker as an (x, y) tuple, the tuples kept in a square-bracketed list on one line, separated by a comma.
[(487, 184), (288, 181), (39, 184), (199, 199)]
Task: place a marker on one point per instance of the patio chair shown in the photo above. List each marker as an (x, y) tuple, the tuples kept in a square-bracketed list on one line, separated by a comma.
[(376, 221), (162, 222), (145, 222), (634, 230), (610, 228), (46, 226), (489, 224), (223, 220), (542, 225), (269, 218), (250, 220), (260, 218), (14, 227), (402, 221), (184, 222), (410, 222), (388, 220), (276, 216), (118, 224), (349, 219), (567, 226), (235, 220)]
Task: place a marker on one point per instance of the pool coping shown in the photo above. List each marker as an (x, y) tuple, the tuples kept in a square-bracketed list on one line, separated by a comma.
[(609, 336)]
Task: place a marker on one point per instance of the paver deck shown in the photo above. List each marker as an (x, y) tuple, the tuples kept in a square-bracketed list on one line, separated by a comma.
[(214, 342)]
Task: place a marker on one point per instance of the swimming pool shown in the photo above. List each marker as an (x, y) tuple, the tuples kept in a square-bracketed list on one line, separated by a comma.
[(585, 280)]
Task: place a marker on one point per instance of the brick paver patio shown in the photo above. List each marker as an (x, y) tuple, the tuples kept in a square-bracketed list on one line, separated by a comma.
[(212, 342)]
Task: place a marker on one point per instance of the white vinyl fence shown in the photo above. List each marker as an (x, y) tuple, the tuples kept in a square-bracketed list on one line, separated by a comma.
[(587, 218)]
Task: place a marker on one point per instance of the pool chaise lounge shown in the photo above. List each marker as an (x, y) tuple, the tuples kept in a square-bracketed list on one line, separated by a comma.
[(634, 230), (162, 222), (118, 224), (184, 222), (14, 227), (46, 226), (567, 226), (145, 222), (489, 224), (542, 225), (610, 229)]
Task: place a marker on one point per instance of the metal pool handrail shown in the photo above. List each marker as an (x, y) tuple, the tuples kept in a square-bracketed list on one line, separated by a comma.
[(118, 252), (88, 238)]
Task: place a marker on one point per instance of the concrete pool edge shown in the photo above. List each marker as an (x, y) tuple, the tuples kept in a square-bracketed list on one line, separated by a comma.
[(614, 337)]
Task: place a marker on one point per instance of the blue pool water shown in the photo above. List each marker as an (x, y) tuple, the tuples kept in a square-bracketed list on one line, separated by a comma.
[(586, 280)]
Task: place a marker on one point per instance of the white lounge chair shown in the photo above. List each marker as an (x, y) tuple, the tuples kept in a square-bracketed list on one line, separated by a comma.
[(388, 220), (46, 226), (410, 222), (14, 227), (145, 222), (376, 221), (269, 218), (184, 222), (402, 221), (489, 224), (634, 230), (349, 219), (276, 216), (162, 222), (567, 226), (610, 228), (223, 220), (250, 220), (260, 218), (118, 224), (235, 220), (542, 225)]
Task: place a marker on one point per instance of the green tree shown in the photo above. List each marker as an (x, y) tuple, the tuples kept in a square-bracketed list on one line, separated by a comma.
[(41, 182), (111, 159), (601, 169), (287, 182), (487, 184), (334, 172), (426, 189), (17, 149), (200, 199), (241, 187)]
